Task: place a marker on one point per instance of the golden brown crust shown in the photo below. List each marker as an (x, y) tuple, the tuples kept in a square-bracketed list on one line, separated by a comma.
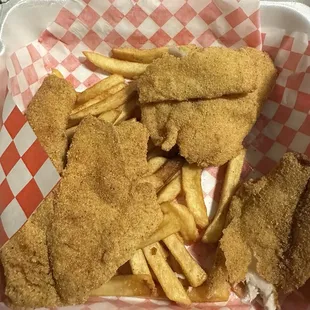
[(29, 282), (101, 213), (212, 73), (296, 262), (48, 113), (210, 132), (133, 138), (261, 216)]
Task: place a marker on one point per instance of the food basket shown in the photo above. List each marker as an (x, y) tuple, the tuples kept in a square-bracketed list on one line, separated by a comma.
[(279, 28)]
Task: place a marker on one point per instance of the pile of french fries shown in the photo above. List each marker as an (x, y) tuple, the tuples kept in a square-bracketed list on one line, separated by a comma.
[(162, 266)]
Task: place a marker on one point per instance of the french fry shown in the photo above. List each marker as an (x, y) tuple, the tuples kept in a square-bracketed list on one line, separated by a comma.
[(213, 232), (165, 275), (137, 55), (191, 269), (168, 226), (191, 178), (129, 70), (107, 93), (166, 172), (71, 131), (110, 116), (171, 190), (127, 111), (127, 285), (155, 164), (216, 288), (155, 152), (110, 103), (138, 263), (188, 229), (57, 73), (99, 88)]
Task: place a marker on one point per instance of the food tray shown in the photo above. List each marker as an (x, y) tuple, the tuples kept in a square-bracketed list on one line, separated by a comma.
[(274, 16)]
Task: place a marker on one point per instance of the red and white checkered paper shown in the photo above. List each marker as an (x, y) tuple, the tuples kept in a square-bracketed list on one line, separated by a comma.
[(100, 25)]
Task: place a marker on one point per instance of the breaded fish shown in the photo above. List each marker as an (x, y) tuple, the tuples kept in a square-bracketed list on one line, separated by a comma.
[(102, 213), (266, 243), (200, 75), (296, 260), (29, 282), (47, 114), (210, 132)]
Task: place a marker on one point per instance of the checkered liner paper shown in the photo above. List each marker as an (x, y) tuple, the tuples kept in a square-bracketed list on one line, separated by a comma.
[(26, 173)]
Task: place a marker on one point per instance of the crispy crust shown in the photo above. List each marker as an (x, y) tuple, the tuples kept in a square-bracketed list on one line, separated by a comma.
[(267, 225)]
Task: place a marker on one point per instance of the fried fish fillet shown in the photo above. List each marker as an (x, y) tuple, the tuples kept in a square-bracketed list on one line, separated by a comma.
[(102, 213), (209, 74), (266, 243), (210, 132), (29, 282), (296, 262)]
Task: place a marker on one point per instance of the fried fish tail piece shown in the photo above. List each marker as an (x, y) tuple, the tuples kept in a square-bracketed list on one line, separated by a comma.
[(29, 282), (266, 219), (209, 74), (102, 213)]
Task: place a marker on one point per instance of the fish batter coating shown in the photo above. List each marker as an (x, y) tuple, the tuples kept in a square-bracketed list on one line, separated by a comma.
[(268, 230), (48, 113), (297, 256), (212, 73), (210, 132), (102, 213), (29, 282)]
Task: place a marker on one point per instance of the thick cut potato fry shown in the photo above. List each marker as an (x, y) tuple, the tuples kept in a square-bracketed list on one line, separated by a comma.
[(110, 116), (214, 230), (127, 111), (216, 288), (188, 229), (129, 70), (127, 285), (168, 226), (191, 269), (138, 263), (171, 190), (191, 184), (137, 55), (165, 275), (99, 88), (165, 173), (155, 164), (57, 73), (71, 131), (110, 103), (104, 95)]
